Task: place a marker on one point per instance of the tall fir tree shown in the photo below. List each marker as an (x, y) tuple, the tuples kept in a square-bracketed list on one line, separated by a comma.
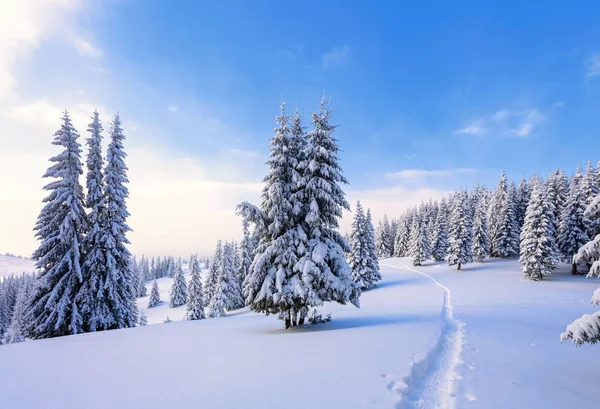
[(60, 228), (505, 243), (481, 238), (557, 192), (461, 235), (419, 241), (300, 262), (115, 305), (212, 276), (360, 261), (195, 295), (94, 265), (589, 188), (246, 255), (439, 243), (154, 295), (538, 250), (522, 200), (574, 223), (402, 239), (17, 330), (178, 294), (373, 260)]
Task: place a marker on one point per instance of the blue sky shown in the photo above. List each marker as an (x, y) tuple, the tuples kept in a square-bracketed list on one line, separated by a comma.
[(429, 97)]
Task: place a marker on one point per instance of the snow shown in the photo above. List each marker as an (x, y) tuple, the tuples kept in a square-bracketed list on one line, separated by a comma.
[(427, 337), (15, 265)]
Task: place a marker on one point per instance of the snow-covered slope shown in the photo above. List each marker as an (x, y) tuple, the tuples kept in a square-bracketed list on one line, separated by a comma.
[(428, 337), (14, 265)]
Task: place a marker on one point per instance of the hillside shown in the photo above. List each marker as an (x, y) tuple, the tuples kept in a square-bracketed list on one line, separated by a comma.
[(15, 265), (427, 337)]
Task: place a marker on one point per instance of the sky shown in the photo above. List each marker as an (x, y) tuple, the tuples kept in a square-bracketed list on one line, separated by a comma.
[(429, 98)]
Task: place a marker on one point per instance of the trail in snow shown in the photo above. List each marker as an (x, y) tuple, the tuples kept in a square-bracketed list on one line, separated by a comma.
[(430, 384)]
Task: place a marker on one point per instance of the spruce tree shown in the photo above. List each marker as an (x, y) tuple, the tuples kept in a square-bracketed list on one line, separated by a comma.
[(178, 294), (300, 262), (522, 200), (360, 257), (402, 239), (589, 188), (439, 244), (373, 261), (195, 297), (574, 223), (143, 320), (227, 295), (60, 228), (538, 248), (154, 296), (419, 242), (481, 239), (497, 203), (246, 253), (557, 192), (213, 273), (115, 305), (460, 251), (506, 241), (94, 265), (141, 277)]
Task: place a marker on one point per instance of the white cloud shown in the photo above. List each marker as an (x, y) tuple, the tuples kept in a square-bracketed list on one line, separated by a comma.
[(336, 57), (505, 123), (23, 24), (173, 108), (471, 129), (86, 48), (558, 104), (592, 66), (408, 174)]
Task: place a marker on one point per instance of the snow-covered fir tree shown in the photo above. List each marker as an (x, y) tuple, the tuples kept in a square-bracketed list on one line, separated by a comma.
[(402, 239), (115, 305), (212, 276), (481, 238), (246, 255), (60, 228), (589, 189), (538, 250), (419, 249), (574, 224), (505, 242), (178, 294), (557, 192), (439, 237), (94, 265), (195, 295), (461, 235), (373, 260), (522, 200), (143, 319), (141, 277), (383, 239), (363, 272), (587, 328), (154, 296), (303, 264)]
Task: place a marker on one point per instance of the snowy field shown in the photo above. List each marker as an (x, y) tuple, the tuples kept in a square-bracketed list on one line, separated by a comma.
[(14, 265), (427, 337)]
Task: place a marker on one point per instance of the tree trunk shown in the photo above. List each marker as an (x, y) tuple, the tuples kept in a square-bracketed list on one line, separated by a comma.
[(288, 322), (301, 321), (574, 268), (458, 267)]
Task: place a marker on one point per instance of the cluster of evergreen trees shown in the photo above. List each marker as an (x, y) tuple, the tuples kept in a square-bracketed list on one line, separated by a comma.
[(299, 262), (543, 222), (14, 298), (84, 281)]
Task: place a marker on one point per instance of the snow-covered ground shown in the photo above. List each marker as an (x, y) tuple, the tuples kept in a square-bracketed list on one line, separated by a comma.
[(14, 265), (427, 337)]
